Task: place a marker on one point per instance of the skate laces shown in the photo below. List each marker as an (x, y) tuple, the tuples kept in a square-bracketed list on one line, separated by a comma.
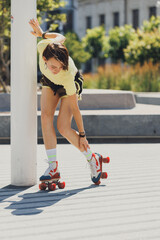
[(51, 167), (48, 170), (93, 167)]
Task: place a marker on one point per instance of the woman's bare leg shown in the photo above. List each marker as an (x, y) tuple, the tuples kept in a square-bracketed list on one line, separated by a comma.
[(49, 103), (64, 127), (64, 124)]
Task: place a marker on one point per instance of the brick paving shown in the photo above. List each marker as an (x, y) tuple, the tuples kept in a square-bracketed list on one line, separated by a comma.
[(126, 206)]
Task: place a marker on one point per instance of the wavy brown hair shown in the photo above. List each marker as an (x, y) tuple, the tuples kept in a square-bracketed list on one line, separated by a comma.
[(57, 51)]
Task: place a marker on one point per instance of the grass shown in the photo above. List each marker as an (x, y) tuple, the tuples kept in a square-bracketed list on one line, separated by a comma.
[(136, 78)]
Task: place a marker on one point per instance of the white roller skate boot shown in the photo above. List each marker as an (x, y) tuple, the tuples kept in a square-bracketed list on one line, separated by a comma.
[(95, 168), (52, 172)]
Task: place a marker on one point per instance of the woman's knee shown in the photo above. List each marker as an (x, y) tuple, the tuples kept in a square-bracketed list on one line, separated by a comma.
[(47, 115)]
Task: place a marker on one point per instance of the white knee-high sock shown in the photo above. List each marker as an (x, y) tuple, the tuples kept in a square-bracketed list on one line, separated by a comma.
[(88, 154)]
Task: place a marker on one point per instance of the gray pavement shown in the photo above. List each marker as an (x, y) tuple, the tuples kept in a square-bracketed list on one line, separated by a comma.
[(126, 206)]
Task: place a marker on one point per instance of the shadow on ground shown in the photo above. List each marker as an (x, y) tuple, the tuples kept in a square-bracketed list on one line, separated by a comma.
[(9, 191), (33, 203)]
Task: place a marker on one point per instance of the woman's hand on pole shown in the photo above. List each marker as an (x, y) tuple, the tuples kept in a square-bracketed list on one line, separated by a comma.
[(37, 31)]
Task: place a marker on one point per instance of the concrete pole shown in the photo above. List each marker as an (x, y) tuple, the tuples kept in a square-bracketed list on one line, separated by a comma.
[(23, 94)]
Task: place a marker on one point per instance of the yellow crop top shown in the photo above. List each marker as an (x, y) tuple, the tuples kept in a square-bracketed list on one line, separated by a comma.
[(64, 77)]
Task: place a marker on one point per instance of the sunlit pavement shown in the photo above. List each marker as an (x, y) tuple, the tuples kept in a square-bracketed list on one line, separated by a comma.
[(125, 206)]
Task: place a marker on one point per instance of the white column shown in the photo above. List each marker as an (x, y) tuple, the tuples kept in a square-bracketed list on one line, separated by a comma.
[(23, 94)]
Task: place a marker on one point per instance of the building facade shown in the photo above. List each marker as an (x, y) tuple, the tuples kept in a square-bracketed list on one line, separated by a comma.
[(111, 13)]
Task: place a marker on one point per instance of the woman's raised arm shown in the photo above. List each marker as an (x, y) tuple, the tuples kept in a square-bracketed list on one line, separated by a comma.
[(38, 32)]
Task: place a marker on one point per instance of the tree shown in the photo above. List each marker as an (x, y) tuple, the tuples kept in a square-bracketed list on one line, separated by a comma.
[(4, 42), (118, 40), (146, 45), (94, 43), (152, 25), (53, 14), (43, 6), (76, 49)]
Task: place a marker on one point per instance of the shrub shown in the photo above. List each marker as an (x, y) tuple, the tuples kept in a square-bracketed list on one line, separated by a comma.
[(76, 49), (145, 47), (152, 25), (94, 40), (118, 40)]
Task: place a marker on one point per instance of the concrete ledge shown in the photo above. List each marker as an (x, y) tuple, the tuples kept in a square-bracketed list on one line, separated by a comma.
[(99, 99), (142, 121), (4, 102), (107, 99), (91, 99), (148, 98), (104, 99)]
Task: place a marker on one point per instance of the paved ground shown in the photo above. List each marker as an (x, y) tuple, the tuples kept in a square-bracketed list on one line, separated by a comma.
[(124, 207)]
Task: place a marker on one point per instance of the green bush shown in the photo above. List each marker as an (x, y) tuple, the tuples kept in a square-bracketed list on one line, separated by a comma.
[(94, 40), (152, 25), (118, 40), (76, 49), (146, 44), (145, 47)]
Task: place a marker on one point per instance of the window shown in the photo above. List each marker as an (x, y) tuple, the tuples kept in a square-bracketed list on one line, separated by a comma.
[(152, 12), (135, 18), (88, 22), (69, 23), (116, 19), (72, 3), (101, 19)]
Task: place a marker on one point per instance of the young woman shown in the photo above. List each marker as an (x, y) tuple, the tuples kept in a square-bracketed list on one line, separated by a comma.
[(61, 81)]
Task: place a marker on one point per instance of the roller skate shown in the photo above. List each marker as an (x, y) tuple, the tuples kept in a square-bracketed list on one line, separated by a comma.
[(51, 178), (96, 168)]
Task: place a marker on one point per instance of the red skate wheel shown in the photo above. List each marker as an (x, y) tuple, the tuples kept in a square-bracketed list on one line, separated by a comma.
[(51, 186), (97, 183), (104, 175), (61, 185), (42, 186), (106, 160)]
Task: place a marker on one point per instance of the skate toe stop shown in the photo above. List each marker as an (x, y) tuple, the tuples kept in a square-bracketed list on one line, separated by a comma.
[(96, 179)]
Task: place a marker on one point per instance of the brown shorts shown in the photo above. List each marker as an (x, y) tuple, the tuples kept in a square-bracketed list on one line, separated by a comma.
[(59, 89)]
